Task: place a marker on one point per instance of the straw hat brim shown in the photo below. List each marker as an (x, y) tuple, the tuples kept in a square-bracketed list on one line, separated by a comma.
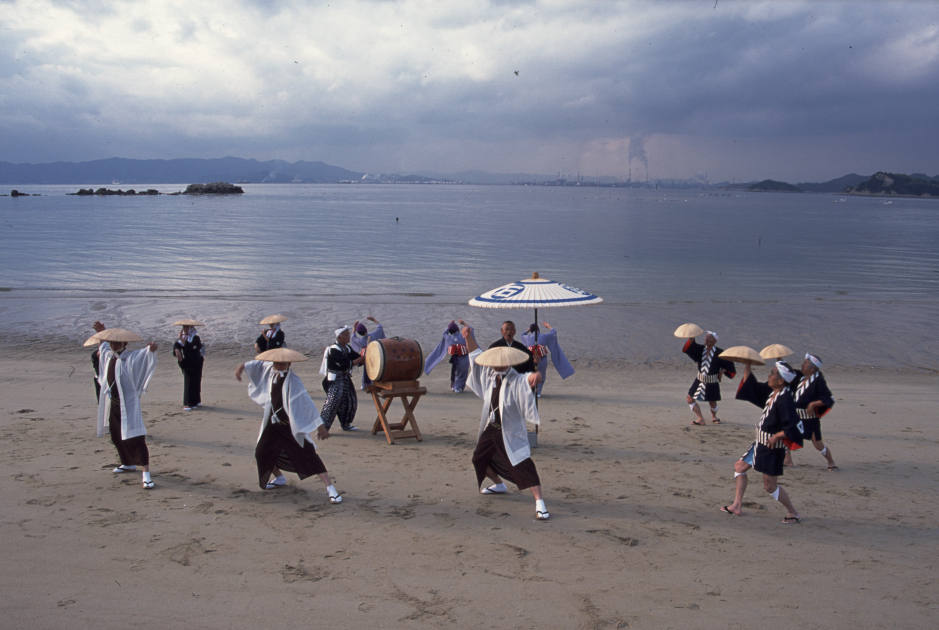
[(687, 331), (118, 334), (273, 319), (501, 357), (282, 355), (775, 351), (740, 354), (92, 341), (188, 322)]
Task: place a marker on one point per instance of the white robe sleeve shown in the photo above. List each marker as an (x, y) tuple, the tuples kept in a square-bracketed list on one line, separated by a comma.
[(478, 378), (304, 417), (259, 381)]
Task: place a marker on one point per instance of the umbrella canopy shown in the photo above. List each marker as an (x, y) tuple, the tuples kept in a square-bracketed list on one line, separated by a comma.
[(534, 292), (91, 341)]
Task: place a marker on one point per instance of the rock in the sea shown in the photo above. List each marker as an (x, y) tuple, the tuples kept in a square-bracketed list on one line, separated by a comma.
[(218, 188)]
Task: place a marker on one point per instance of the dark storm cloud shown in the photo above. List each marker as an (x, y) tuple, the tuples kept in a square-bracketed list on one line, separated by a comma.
[(511, 86)]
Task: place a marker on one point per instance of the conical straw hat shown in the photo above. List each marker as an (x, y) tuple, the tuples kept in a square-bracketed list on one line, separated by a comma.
[(687, 331), (281, 355), (92, 341), (118, 334), (273, 319), (775, 351), (740, 354), (501, 357), (188, 322)]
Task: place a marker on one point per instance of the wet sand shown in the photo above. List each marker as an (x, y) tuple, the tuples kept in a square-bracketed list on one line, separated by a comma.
[(635, 539)]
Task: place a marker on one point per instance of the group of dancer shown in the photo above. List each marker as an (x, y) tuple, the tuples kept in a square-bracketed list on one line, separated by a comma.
[(506, 377), (793, 402)]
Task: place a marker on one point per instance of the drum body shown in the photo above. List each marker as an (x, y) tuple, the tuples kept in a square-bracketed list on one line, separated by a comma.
[(394, 359)]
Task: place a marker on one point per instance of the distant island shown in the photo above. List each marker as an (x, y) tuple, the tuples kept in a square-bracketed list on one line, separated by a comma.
[(771, 185), (894, 184)]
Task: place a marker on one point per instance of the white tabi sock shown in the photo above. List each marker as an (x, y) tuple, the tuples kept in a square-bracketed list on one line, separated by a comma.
[(539, 506), (146, 477), (280, 480), (331, 491)]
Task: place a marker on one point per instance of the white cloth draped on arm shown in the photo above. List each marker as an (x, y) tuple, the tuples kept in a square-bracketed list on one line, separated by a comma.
[(132, 374), (516, 406), (304, 417)]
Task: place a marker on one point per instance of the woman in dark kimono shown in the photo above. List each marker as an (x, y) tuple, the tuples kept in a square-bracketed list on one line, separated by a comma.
[(189, 353)]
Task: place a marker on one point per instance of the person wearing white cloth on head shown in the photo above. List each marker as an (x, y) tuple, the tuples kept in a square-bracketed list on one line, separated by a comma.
[(124, 377), (779, 428), (813, 400), (341, 400), (289, 422), (360, 339), (502, 449)]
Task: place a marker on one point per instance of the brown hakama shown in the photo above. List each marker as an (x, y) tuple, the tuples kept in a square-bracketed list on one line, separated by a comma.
[(132, 451), (490, 451), (278, 448)]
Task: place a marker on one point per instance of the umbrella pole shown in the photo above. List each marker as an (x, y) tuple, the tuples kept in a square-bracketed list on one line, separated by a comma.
[(536, 343)]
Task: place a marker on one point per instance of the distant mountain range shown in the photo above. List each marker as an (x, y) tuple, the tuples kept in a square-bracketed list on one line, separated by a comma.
[(239, 170)]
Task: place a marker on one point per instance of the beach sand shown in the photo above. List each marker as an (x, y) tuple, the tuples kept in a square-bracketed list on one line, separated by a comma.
[(635, 539)]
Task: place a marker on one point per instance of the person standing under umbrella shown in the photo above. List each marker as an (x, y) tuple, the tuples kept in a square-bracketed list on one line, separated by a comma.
[(285, 442), (360, 341), (502, 450), (508, 341), (550, 341), (190, 356), (341, 399), (452, 344), (124, 377)]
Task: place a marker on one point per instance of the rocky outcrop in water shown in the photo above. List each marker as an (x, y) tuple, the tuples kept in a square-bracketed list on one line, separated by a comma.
[(218, 188), (894, 184), (104, 192)]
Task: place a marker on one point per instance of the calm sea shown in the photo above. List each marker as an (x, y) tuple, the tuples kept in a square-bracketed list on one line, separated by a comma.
[(418, 253)]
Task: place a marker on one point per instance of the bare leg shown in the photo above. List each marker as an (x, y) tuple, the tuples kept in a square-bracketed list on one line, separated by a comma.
[(696, 408), (536, 492), (740, 486), (325, 477), (770, 485), (713, 405), (820, 446), (276, 472), (788, 461)]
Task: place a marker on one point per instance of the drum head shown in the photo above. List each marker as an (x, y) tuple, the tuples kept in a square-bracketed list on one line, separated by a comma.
[(375, 360)]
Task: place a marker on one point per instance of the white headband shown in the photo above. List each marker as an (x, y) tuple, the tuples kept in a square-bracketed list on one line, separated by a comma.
[(339, 331), (814, 359), (784, 371), (713, 334)]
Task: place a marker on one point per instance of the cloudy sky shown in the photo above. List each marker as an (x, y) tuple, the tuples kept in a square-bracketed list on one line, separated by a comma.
[(744, 90)]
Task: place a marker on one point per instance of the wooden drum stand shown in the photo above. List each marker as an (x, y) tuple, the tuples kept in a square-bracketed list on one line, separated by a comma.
[(388, 391)]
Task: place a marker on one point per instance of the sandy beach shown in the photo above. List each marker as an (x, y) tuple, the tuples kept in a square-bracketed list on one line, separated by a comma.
[(635, 539)]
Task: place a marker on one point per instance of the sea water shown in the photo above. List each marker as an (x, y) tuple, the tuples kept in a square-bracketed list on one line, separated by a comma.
[(837, 272)]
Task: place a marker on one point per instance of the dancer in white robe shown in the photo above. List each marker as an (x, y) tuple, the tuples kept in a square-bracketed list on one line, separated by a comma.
[(285, 441), (124, 377), (502, 448)]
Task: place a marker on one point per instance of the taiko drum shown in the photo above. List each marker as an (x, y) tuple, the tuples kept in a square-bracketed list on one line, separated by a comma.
[(394, 359)]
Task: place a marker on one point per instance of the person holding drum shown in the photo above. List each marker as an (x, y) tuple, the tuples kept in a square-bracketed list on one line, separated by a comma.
[(452, 344), (341, 399), (502, 449)]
